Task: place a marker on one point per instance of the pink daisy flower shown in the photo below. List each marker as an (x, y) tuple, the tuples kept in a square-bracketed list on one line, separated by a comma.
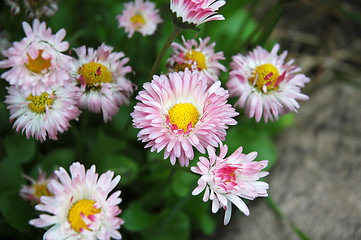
[(178, 112), (36, 61), (43, 115), (37, 189), (197, 57), (80, 207), (265, 84), (196, 12), (139, 16), (226, 180), (101, 76)]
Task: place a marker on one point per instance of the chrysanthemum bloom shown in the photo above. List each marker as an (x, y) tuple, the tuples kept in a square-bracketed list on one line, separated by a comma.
[(37, 9), (36, 61), (37, 189), (197, 57), (139, 16), (226, 180), (265, 84), (80, 207), (195, 12), (101, 76), (43, 115), (179, 113)]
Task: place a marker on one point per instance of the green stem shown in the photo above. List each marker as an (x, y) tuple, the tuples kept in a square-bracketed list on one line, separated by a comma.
[(249, 42), (175, 32)]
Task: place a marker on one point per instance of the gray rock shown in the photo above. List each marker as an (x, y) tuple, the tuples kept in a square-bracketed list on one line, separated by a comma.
[(317, 180)]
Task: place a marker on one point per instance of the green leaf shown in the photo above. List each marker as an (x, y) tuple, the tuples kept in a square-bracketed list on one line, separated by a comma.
[(19, 149), (183, 182), (232, 32), (136, 218), (266, 149), (178, 228), (58, 157), (200, 213), (10, 173), (16, 211), (122, 119), (253, 139), (105, 145), (208, 224), (120, 165)]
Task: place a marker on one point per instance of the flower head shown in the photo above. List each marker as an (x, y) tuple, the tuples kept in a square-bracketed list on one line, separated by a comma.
[(226, 180), (38, 188), (197, 57), (265, 84), (80, 207), (37, 9), (178, 112), (14, 6), (192, 13), (34, 9), (139, 16), (43, 115), (101, 76), (36, 61)]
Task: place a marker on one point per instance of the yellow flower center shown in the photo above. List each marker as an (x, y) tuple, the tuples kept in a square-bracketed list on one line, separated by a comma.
[(138, 21), (38, 64), (265, 76), (95, 74), (194, 56), (41, 189), (38, 103), (84, 206), (182, 114)]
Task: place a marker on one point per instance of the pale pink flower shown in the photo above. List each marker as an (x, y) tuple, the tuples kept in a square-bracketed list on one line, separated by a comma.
[(36, 61), (197, 57), (45, 115), (179, 112), (80, 207), (38, 188), (227, 180), (37, 9), (101, 75), (139, 16), (196, 12), (265, 84), (14, 6)]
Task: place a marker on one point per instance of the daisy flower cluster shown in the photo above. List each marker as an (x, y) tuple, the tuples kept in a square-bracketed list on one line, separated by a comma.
[(181, 113), (187, 108), (48, 88), (41, 98)]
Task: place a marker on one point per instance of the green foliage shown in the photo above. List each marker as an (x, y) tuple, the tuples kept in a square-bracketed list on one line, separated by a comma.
[(16, 211), (18, 148), (183, 182), (137, 218)]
